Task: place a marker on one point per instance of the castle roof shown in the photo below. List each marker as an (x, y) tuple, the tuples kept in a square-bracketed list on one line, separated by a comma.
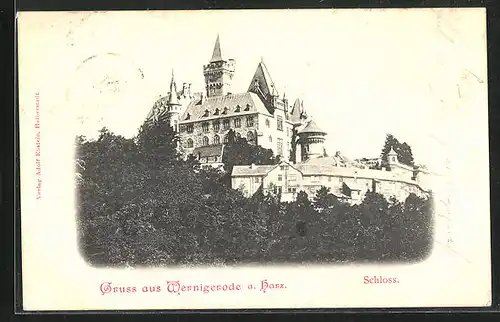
[(208, 151), (312, 127), (224, 106), (296, 111), (336, 160), (217, 54), (172, 96), (248, 170), (264, 81)]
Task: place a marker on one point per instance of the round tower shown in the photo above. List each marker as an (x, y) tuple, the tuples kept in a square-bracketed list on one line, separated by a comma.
[(173, 106), (311, 140)]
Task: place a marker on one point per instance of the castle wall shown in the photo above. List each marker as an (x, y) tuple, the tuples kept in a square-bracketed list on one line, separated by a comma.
[(271, 131), (390, 186)]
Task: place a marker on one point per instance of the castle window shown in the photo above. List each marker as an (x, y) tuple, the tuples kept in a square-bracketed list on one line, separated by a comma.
[(280, 123), (205, 126), (238, 108), (176, 125), (217, 111), (248, 107), (268, 123), (280, 177), (280, 146), (216, 125), (207, 113), (188, 116), (250, 137), (270, 138), (237, 122), (189, 143), (205, 141), (189, 128), (249, 121), (225, 110), (225, 124), (216, 140), (226, 139)]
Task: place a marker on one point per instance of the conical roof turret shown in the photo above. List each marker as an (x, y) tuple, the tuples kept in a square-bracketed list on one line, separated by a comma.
[(172, 96), (312, 127)]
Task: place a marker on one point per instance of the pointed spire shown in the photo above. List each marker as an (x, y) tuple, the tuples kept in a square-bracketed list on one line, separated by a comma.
[(392, 152), (172, 96), (217, 54)]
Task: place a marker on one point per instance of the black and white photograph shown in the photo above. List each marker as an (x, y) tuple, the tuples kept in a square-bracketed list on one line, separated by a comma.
[(202, 146)]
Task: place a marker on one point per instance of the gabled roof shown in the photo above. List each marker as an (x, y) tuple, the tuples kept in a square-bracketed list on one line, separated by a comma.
[(217, 54), (249, 103), (247, 170), (312, 127), (159, 110), (264, 81), (353, 186), (257, 170), (209, 151)]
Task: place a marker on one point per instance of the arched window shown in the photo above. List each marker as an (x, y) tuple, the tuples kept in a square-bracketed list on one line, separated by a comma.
[(216, 139), (189, 143), (268, 123), (226, 139), (270, 138), (250, 136), (216, 125), (205, 140)]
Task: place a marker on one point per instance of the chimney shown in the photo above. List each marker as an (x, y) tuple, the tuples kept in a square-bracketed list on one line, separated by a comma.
[(186, 90)]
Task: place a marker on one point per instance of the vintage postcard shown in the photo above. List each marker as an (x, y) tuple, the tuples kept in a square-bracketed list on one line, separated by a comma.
[(254, 159)]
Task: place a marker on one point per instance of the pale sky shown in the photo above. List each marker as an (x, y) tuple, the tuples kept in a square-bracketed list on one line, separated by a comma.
[(419, 74)]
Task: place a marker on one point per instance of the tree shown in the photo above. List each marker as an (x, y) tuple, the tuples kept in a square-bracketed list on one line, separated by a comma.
[(324, 199), (239, 152)]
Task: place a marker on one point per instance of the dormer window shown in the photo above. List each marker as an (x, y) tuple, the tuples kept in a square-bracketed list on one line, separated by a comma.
[(248, 107), (188, 116), (238, 108), (216, 111), (225, 110), (207, 113)]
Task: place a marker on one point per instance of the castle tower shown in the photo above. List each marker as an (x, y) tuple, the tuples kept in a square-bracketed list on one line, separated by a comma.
[(311, 141), (173, 105), (218, 73)]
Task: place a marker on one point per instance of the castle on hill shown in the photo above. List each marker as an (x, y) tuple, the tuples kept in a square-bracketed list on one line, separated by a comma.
[(264, 117)]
